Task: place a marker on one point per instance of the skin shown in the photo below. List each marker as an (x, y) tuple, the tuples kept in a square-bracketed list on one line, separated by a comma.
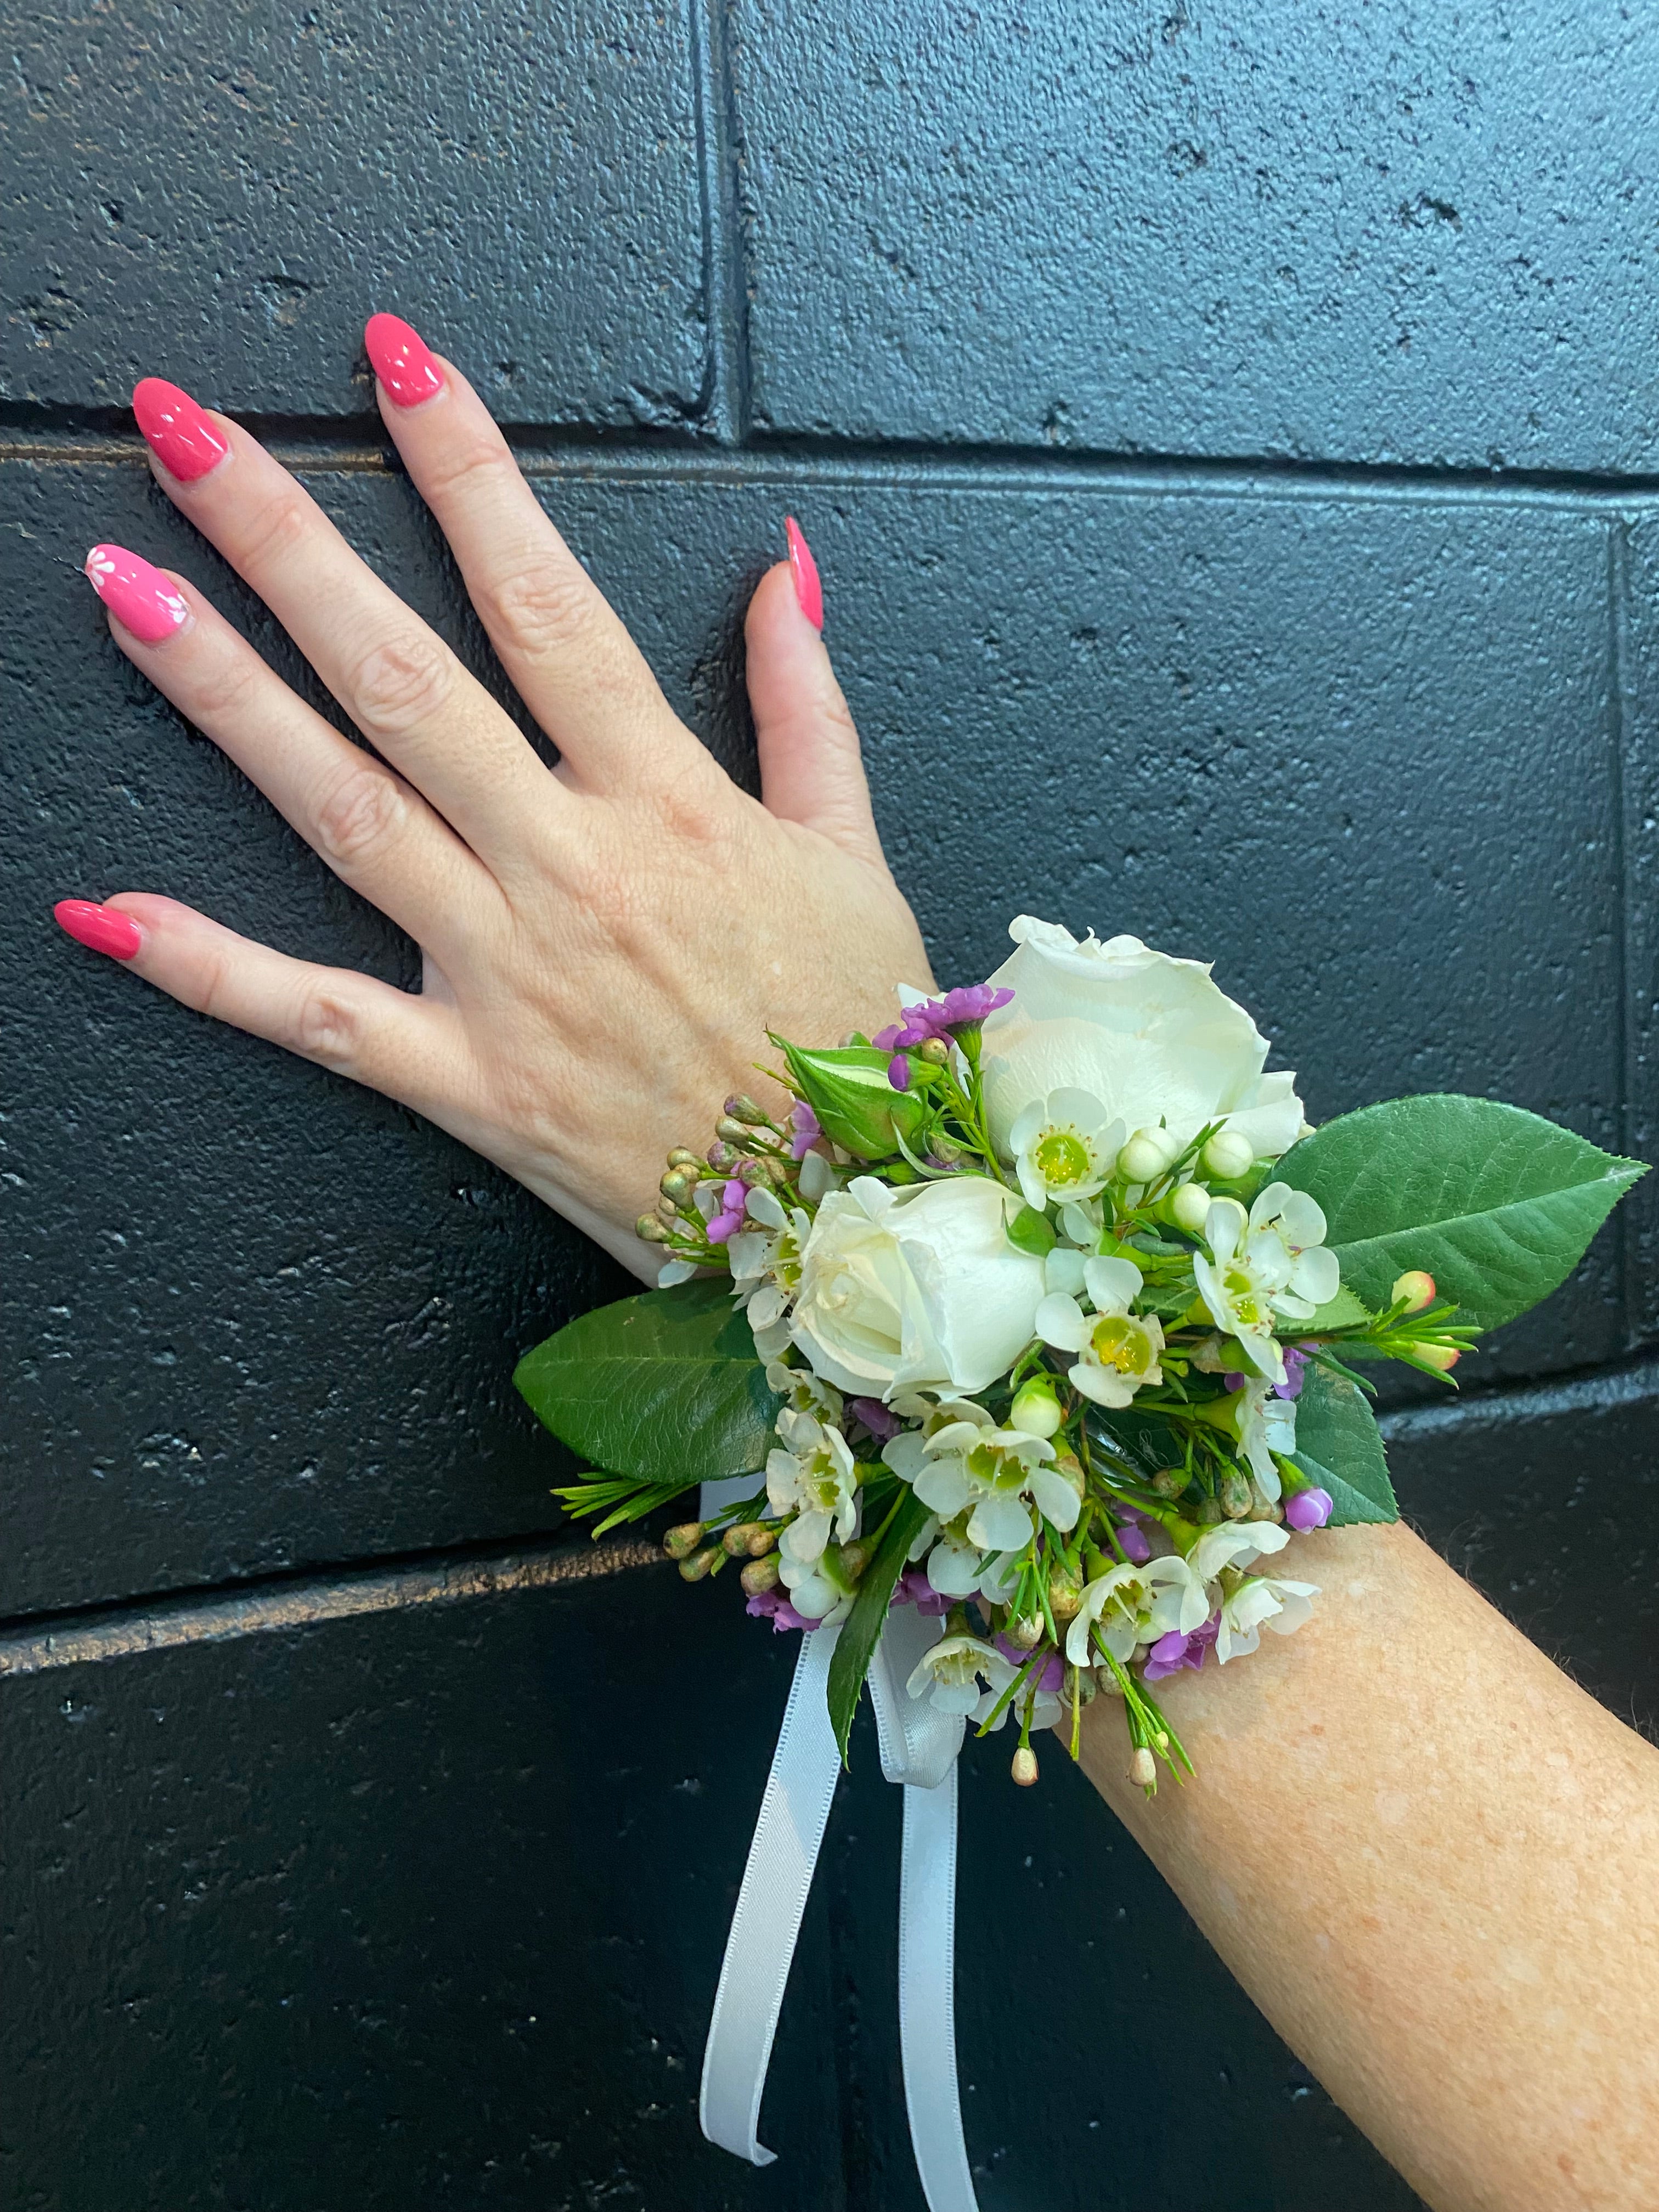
[(1424, 1852)]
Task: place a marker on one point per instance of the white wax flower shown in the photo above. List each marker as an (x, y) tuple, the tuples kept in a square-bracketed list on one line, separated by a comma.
[(948, 1673), (1065, 1147), (1264, 1267), (1262, 1601), (916, 1288), (994, 1476), (813, 1474), (1234, 1544), (1266, 1425), (1149, 1037), (1136, 1605), (1117, 1352), (765, 1260)]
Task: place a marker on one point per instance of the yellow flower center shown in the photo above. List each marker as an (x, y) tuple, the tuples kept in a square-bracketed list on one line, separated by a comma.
[(1062, 1159), (1122, 1343)]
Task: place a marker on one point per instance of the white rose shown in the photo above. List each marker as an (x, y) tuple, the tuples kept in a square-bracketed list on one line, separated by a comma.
[(1151, 1037), (917, 1288)]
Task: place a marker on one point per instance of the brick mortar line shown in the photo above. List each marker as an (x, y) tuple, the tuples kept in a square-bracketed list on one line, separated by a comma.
[(943, 468), (124, 1631)]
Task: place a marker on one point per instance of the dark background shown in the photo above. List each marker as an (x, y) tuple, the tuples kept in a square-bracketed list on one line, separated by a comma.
[(1226, 437)]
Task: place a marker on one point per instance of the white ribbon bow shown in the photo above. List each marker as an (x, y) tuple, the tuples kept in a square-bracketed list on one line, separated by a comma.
[(919, 1748)]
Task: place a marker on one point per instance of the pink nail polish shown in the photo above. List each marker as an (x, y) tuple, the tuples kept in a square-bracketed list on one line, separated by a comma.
[(808, 592), (402, 361), (100, 927), (181, 435), (138, 595)]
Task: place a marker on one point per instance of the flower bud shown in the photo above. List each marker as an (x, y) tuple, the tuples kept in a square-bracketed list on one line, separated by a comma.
[(1036, 1410), (1024, 1768), (700, 1564), (937, 1050), (1229, 1155), (855, 1102), (1143, 1772), (1308, 1508), (1263, 1508), (1440, 1357), (1416, 1288), (676, 1186), (754, 1173), (856, 1556), (679, 1157), (762, 1535), (1081, 1686), (1171, 1481), (667, 1211), (761, 1575), (1146, 1155), (1065, 1595), (679, 1541), (735, 1540), (740, 1107), (733, 1132), (1207, 1512), (1027, 1633), (1189, 1205), (1235, 1496), (650, 1230), (721, 1158)]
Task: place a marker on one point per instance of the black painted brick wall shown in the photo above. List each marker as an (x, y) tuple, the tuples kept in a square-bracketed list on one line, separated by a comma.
[(1227, 452)]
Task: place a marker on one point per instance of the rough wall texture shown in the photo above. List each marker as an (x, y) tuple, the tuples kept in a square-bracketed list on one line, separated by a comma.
[(1226, 458)]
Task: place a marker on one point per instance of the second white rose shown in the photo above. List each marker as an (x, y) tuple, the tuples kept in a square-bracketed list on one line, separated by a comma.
[(915, 1289)]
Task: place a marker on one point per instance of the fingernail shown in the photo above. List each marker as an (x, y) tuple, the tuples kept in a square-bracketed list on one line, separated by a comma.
[(138, 595), (179, 434), (100, 927), (402, 361), (808, 592)]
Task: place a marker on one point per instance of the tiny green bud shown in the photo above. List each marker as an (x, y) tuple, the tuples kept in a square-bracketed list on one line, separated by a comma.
[(1440, 1357), (1027, 1633), (679, 1157), (650, 1230), (1143, 1771), (1190, 1206), (740, 1107), (1024, 1768), (935, 1049), (762, 1535), (756, 1173), (1207, 1512), (1171, 1481), (721, 1158), (1146, 1155), (1229, 1155), (761, 1575), (736, 1541), (700, 1564), (1235, 1496), (733, 1132), (1065, 1595), (668, 1211), (676, 1186), (1036, 1410), (856, 1556), (1263, 1508), (679, 1541)]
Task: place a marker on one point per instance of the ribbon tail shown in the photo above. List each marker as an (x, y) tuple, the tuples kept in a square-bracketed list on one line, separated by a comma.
[(927, 2024), (766, 1925)]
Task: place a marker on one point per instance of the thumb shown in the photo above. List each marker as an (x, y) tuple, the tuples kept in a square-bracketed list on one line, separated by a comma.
[(810, 770)]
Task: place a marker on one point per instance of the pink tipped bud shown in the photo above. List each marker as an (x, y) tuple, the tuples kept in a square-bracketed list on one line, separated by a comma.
[(1440, 1357), (1024, 1768), (1416, 1288)]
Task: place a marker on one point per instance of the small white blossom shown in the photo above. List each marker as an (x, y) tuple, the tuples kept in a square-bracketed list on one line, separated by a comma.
[(1262, 1601), (955, 1569), (994, 1476), (803, 1391), (1117, 1350), (813, 1475), (948, 1673), (1130, 1605), (765, 1263), (1065, 1146), (1234, 1544), (1269, 1264), (1266, 1425)]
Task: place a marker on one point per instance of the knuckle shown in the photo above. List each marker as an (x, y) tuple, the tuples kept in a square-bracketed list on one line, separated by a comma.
[(278, 530), (364, 810), (326, 1027), (401, 684), (223, 690), (471, 470), (540, 611)]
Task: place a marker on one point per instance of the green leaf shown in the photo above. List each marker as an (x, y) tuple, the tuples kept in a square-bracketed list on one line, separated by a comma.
[(861, 1632), (1343, 1312), (665, 1387), (1032, 1231), (1339, 1449), (1498, 1206)]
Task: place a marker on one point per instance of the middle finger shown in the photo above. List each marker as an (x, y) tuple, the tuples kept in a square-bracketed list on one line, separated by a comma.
[(400, 683)]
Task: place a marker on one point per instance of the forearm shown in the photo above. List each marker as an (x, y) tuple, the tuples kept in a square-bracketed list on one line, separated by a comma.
[(1428, 1856)]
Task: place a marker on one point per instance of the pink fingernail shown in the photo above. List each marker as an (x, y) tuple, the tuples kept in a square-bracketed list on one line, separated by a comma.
[(179, 434), (138, 595), (808, 592), (402, 361), (100, 926)]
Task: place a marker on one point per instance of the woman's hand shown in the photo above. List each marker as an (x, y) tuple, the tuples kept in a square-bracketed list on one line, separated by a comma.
[(607, 942)]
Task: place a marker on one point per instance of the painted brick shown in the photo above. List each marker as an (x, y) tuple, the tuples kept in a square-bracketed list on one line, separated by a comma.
[(224, 196), (1395, 234)]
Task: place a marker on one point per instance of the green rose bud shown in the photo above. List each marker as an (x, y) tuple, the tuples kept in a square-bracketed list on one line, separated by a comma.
[(857, 1107)]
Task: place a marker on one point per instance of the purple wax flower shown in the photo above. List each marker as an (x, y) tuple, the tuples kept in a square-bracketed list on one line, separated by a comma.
[(1179, 1649), (723, 1227), (898, 1071), (1049, 1675), (1309, 1509), (803, 1122), (913, 1588), (963, 1008), (1133, 1538), (875, 1417), (1296, 1363), (774, 1605)]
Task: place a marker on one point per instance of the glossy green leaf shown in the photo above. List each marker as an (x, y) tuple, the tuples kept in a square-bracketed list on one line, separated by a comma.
[(861, 1632), (663, 1387), (1498, 1205), (1340, 1449), (1032, 1231)]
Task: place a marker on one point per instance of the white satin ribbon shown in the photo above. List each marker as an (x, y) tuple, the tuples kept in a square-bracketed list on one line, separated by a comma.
[(919, 1748)]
